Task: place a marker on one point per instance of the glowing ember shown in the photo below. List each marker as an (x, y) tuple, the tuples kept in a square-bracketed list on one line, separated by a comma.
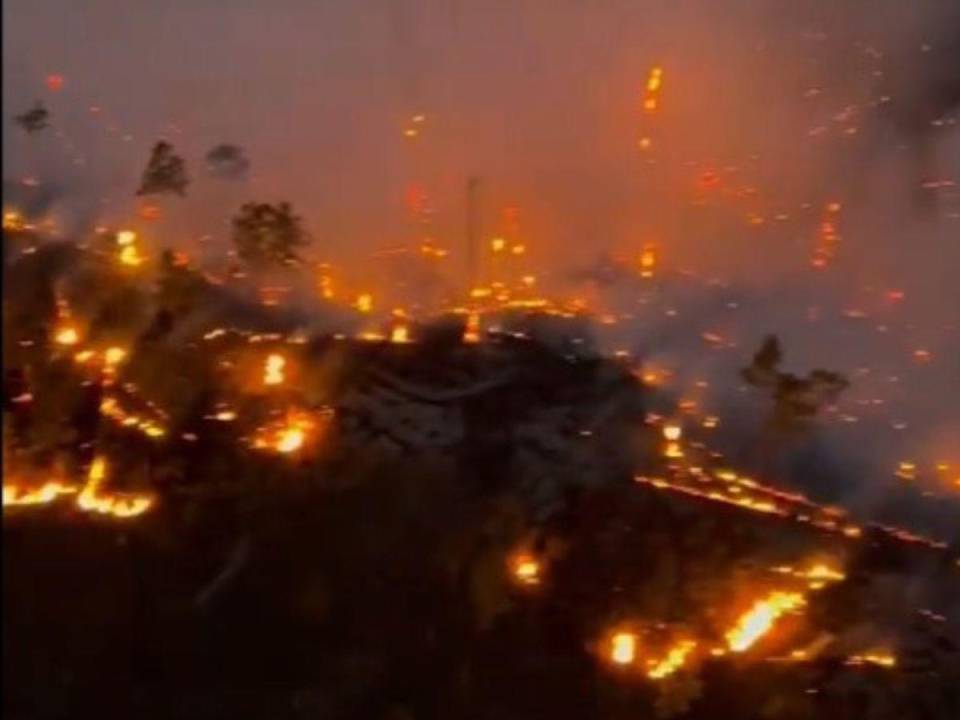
[(273, 371), (66, 335), (290, 439), (881, 659), (648, 261), (126, 238), (364, 302), (526, 569), (114, 355), (94, 499), (12, 220), (673, 661), (14, 495), (672, 432), (130, 256), (623, 648), (471, 333), (400, 334), (759, 619)]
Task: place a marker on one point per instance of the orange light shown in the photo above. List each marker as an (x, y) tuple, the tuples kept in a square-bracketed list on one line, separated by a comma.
[(66, 335), (623, 648), (273, 370), (364, 302), (760, 618), (526, 569)]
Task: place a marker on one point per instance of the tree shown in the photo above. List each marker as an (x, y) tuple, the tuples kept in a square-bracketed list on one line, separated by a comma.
[(796, 399), (268, 234), (228, 162), (35, 119), (166, 172)]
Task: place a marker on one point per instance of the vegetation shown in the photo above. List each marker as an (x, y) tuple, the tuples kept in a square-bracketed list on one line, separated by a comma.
[(268, 235)]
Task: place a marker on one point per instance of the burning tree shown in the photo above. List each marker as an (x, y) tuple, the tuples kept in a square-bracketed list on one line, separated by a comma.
[(35, 119), (166, 172), (267, 234), (228, 162)]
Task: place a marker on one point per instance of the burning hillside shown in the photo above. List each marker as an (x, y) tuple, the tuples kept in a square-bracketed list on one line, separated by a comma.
[(488, 457), (588, 376)]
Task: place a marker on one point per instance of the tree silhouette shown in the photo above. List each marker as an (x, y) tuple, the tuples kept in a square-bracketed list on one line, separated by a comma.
[(228, 162), (267, 234), (166, 172), (35, 119), (795, 398)]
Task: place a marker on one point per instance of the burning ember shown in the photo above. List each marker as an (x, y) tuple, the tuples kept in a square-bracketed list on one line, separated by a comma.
[(66, 335), (273, 371), (760, 619), (94, 499), (623, 648), (672, 661), (525, 569), (14, 495)]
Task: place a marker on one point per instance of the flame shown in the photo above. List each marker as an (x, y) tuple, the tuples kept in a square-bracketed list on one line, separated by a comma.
[(291, 434), (114, 355), (471, 333), (623, 648), (14, 495), (290, 439), (672, 661), (364, 302), (648, 261), (760, 618), (816, 576), (400, 333), (13, 220), (880, 658), (93, 499), (652, 89), (273, 371), (66, 335), (525, 569)]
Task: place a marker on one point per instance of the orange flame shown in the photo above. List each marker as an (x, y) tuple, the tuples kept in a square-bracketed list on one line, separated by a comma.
[(760, 618)]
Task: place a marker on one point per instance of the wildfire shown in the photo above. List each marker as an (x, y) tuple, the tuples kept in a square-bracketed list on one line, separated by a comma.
[(816, 576), (672, 434), (400, 333), (364, 302), (93, 498), (273, 371), (471, 333), (14, 495), (525, 569), (13, 220), (129, 254), (110, 408), (623, 648), (289, 435), (654, 83), (760, 618), (672, 661), (828, 238), (66, 335), (648, 261), (881, 659)]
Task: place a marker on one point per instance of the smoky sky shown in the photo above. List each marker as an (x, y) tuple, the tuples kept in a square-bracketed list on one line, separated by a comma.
[(541, 99)]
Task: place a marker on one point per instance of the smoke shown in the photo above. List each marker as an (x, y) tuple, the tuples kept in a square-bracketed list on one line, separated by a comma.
[(768, 113)]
